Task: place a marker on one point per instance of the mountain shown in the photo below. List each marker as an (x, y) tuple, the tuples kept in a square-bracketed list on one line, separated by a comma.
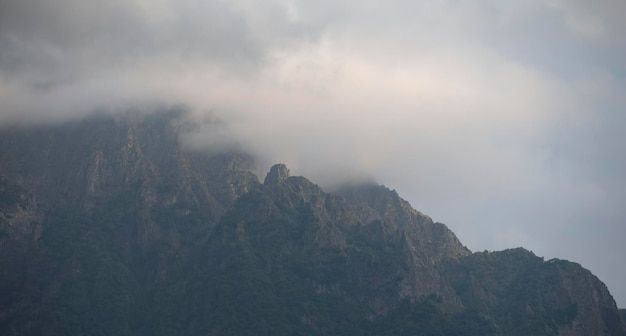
[(108, 226)]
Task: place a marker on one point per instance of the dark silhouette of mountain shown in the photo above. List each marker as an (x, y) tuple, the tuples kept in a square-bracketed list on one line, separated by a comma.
[(109, 227)]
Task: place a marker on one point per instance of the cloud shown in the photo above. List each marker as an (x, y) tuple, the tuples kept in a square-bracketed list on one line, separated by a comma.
[(80, 55), (501, 118)]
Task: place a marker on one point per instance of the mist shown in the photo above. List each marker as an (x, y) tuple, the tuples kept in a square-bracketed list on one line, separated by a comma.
[(501, 119)]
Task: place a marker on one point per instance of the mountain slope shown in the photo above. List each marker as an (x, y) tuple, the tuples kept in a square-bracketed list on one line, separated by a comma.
[(528, 296), (108, 226)]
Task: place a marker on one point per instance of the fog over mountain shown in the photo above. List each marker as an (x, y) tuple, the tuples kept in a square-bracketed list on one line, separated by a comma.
[(502, 119)]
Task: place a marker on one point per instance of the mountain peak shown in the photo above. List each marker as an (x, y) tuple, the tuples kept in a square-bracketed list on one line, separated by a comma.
[(144, 216), (277, 174)]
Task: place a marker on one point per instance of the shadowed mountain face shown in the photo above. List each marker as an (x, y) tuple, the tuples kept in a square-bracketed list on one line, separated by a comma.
[(108, 226)]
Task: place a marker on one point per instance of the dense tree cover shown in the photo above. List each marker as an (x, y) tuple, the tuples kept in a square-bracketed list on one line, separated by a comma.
[(251, 275), (519, 290)]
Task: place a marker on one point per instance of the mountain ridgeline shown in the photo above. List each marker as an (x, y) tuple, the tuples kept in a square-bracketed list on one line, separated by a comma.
[(108, 226)]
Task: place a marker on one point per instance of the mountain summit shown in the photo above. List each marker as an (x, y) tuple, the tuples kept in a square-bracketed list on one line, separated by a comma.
[(277, 174), (109, 226)]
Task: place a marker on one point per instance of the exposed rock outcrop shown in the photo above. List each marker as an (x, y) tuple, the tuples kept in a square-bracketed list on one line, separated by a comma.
[(277, 174)]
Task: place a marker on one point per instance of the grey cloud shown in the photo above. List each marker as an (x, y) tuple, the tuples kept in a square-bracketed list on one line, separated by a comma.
[(43, 42)]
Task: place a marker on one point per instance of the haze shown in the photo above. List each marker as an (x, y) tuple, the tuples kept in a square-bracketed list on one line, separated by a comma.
[(502, 119)]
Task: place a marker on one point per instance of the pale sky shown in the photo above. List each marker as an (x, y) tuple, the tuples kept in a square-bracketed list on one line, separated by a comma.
[(503, 119)]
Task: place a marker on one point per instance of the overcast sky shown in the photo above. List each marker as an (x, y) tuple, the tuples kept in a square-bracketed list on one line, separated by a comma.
[(503, 119)]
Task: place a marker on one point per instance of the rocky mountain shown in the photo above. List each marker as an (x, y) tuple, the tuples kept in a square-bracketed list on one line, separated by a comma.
[(108, 226)]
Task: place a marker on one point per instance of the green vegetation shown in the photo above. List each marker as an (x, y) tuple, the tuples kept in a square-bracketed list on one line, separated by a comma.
[(519, 290), (9, 193), (428, 317), (142, 238)]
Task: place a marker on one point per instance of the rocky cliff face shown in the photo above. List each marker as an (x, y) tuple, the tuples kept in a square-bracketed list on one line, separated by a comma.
[(426, 243), (84, 165), (110, 227), (529, 296)]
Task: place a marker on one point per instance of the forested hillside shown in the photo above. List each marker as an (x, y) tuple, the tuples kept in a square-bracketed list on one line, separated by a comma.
[(109, 226)]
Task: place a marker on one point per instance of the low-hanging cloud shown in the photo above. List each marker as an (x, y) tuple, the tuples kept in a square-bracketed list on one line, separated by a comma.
[(501, 118)]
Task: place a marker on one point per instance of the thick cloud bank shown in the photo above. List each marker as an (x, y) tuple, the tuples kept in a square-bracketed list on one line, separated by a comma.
[(503, 119)]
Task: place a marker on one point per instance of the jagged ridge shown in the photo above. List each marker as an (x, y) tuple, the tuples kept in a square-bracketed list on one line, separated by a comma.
[(138, 236)]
